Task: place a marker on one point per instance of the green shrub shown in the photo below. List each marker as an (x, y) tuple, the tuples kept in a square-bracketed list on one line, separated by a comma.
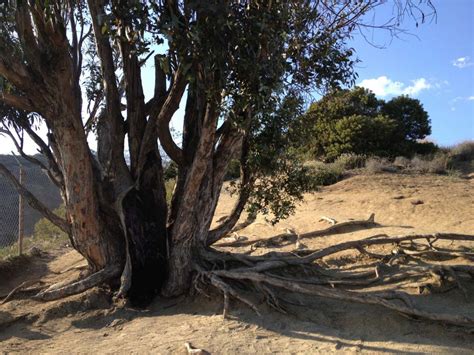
[(421, 148), (325, 175), (355, 121)]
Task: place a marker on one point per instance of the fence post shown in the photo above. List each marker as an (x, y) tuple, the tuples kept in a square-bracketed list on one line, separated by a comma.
[(21, 212)]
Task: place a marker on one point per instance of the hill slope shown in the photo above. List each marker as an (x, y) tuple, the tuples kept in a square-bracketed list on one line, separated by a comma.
[(38, 183), (88, 324)]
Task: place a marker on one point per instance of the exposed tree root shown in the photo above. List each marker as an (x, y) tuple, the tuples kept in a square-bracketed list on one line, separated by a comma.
[(405, 266), (414, 261), (58, 291), (345, 296), (228, 290)]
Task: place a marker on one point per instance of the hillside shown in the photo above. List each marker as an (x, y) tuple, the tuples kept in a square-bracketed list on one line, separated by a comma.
[(38, 183), (403, 204)]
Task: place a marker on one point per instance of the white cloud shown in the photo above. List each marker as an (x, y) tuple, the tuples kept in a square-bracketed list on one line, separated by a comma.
[(462, 62), (460, 100), (383, 86)]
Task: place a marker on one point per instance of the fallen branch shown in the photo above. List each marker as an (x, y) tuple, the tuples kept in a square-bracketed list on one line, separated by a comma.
[(18, 289), (291, 236)]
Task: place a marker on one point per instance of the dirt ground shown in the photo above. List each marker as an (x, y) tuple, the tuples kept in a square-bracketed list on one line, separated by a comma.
[(403, 204)]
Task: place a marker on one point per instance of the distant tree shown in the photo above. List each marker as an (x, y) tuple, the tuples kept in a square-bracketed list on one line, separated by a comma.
[(355, 121), (413, 124)]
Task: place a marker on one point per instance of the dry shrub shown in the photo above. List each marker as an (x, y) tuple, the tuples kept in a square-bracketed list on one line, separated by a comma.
[(349, 161), (401, 162), (436, 165), (376, 165), (463, 151)]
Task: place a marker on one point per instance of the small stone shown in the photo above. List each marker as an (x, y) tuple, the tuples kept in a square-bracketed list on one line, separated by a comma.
[(416, 202)]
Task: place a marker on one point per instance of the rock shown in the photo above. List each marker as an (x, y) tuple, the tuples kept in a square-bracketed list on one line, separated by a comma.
[(416, 202)]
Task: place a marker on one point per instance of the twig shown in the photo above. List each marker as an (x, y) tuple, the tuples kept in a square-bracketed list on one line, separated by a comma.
[(191, 350), (17, 289), (292, 236), (330, 220)]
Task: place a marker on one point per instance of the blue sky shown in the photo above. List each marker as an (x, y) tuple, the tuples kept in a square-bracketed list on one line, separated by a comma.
[(436, 67)]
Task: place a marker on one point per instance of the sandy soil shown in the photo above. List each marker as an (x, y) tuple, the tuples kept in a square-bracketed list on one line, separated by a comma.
[(86, 323)]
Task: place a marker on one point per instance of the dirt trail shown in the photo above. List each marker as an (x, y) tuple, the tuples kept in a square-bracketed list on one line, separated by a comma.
[(403, 204)]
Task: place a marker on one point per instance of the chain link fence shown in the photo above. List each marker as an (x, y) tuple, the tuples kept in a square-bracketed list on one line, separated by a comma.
[(14, 220)]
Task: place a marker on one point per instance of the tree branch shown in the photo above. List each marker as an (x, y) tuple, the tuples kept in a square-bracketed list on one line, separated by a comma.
[(18, 102), (223, 157), (160, 117), (35, 203), (15, 72)]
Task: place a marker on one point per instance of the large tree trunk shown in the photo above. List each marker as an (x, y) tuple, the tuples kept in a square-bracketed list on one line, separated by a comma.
[(91, 227)]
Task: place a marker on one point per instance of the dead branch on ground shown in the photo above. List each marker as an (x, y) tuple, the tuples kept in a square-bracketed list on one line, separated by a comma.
[(291, 236)]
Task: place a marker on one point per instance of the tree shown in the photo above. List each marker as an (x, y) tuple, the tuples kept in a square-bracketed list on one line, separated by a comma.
[(413, 123), (355, 121), (239, 66)]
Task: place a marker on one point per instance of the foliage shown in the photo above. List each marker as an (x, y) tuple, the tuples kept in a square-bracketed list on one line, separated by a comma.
[(233, 171), (412, 120), (355, 121), (171, 171), (326, 174)]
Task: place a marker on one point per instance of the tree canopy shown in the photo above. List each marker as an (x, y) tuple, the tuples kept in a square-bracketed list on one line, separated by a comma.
[(355, 121)]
